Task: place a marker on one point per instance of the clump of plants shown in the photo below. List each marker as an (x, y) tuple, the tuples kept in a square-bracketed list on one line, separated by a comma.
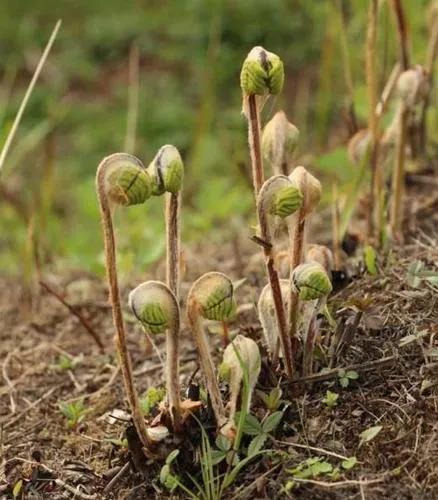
[(122, 180), (290, 309)]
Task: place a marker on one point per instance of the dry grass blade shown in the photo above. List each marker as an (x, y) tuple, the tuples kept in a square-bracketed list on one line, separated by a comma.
[(27, 95)]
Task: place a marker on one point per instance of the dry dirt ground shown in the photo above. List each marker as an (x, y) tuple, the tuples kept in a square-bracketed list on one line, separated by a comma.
[(394, 350)]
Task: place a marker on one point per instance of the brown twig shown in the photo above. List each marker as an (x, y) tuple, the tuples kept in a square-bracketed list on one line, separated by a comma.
[(117, 478), (84, 322), (328, 375)]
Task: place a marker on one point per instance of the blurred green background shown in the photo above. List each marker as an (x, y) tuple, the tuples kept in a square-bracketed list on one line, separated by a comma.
[(189, 58)]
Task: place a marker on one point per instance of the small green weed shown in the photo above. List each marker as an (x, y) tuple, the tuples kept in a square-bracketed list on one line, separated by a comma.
[(74, 412)]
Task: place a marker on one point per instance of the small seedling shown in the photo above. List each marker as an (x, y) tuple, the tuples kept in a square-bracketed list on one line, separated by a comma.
[(313, 468), (223, 452), (65, 363), (331, 399), (74, 412), (370, 259), (260, 431), (156, 307), (167, 478), (346, 376), (272, 400), (349, 463), (150, 399), (119, 443), (211, 297)]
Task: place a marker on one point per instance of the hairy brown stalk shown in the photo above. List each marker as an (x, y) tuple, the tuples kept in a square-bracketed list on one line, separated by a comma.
[(173, 204), (258, 180), (297, 236), (268, 252), (195, 320), (111, 270), (398, 179), (258, 175)]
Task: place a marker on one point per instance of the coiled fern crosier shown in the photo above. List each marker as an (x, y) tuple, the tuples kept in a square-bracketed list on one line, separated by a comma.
[(210, 297), (156, 308), (122, 180)]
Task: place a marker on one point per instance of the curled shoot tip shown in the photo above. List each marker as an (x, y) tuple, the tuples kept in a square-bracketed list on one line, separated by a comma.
[(155, 306), (213, 294), (279, 196), (262, 73), (166, 171), (126, 181), (311, 281)]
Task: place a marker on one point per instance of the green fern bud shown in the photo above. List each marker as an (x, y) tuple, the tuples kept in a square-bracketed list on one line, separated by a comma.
[(167, 171), (279, 196), (262, 73), (286, 201), (126, 180), (311, 281), (213, 292), (155, 306)]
